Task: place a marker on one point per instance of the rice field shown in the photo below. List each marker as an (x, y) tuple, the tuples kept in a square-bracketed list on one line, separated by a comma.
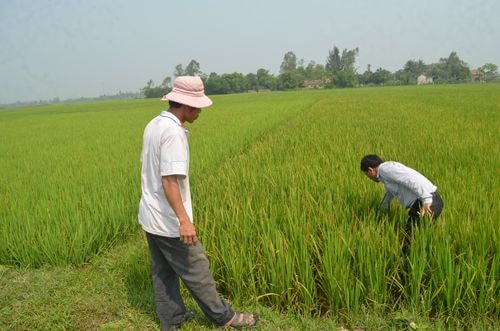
[(285, 214)]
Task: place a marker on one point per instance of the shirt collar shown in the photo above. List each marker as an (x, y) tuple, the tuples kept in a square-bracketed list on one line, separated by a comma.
[(171, 116)]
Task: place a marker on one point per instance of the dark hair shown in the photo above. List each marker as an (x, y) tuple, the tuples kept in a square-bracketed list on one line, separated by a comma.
[(370, 161), (174, 104)]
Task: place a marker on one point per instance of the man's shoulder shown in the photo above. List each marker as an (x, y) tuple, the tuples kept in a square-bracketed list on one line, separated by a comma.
[(166, 122), (389, 169), (391, 165), (385, 165)]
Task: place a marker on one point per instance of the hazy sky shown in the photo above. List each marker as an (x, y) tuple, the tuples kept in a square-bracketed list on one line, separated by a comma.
[(86, 48)]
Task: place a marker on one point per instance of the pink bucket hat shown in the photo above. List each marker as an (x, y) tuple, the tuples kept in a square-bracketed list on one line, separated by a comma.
[(189, 91)]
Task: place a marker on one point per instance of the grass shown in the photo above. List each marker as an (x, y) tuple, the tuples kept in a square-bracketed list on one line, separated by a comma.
[(319, 244), (109, 294), (277, 175)]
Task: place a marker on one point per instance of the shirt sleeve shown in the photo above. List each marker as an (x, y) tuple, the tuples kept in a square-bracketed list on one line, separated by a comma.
[(386, 201), (174, 156)]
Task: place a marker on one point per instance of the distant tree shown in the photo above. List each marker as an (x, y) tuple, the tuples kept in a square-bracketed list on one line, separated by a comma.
[(289, 62), (489, 71), (266, 80), (236, 82), (179, 71), (336, 63), (290, 80), (315, 71), (333, 62), (341, 68), (149, 84), (252, 81), (365, 78), (167, 83), (193, 69), (146, 89), (151, 91), (292, 72), (215, 84), (403, 77), (348, 59), (346, 78), (301, 70), (438, 73), (456, 69), (413, 69), (382, 77)]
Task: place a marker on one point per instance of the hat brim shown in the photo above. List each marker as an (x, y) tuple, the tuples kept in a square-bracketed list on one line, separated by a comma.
[(196, 102)]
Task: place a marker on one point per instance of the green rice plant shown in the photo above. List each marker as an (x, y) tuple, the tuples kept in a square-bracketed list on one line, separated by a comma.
[(417, 268), (340, 282), (71, 173), (57, 184), (281, 207), (373, 263), (299, 190)]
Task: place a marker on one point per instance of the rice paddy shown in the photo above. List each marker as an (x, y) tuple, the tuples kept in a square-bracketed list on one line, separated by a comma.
[(285, 214)]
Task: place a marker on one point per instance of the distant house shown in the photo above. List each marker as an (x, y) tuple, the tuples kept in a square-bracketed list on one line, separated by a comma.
[(475, 75), (423, 79), (316, 83)]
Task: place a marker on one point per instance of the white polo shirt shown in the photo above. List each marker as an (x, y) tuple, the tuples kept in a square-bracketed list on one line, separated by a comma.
[(406, 184), (165, 151)]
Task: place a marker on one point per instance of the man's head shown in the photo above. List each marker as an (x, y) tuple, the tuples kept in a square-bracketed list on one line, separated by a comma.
[(369, 165), (189, 91), (183, 112), (188, 94)]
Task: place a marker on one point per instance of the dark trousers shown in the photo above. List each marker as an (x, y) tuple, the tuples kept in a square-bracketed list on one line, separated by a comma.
[(172, 260), (414, 219)]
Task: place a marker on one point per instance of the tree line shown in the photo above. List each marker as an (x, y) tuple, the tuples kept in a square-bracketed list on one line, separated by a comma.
[(339, 71)]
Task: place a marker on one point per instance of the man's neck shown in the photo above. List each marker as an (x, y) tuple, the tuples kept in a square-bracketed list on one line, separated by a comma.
[(177, 112)]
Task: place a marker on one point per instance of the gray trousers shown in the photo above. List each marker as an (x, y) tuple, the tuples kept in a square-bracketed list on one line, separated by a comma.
[(171, 259)]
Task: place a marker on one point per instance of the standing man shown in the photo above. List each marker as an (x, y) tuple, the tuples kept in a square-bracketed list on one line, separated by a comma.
[(412, 189), (165, 214)]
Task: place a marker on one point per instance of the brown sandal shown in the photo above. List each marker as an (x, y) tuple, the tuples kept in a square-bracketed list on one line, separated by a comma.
[(243, 321)]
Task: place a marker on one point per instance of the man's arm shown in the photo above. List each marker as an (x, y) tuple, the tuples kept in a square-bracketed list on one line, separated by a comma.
[(187, 231), (386, 201)]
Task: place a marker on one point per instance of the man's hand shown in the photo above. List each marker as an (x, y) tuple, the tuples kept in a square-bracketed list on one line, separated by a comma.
[(426, 210), (187, 233)]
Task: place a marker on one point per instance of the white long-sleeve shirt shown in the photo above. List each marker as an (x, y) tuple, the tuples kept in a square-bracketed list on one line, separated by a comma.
[(406, 184)]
